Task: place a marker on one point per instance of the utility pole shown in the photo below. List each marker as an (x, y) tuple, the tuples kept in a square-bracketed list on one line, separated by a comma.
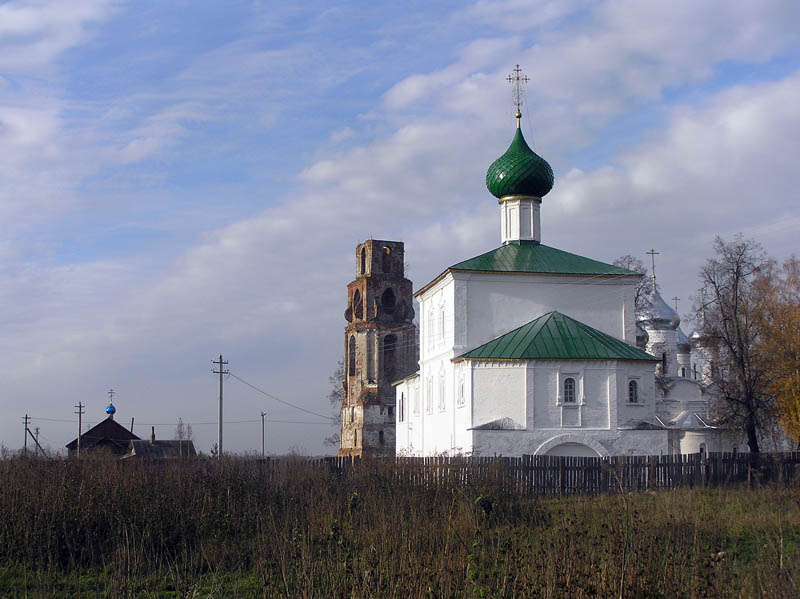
[(221, 372), (25, 420), (36, 436), (79, 412), (263, 414)]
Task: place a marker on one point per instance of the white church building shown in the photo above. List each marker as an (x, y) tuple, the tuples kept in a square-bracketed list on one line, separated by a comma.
[(528, 349)]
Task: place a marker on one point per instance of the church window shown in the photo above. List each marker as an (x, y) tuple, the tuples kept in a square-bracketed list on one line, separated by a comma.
[(460, 400), (694, 369), (387, 260), (633, 392), (351, 359), (355, 438), (389, 347), (664, 363), (441, 392), (569, 390), (363, 260), (683, 372), (441, 322), (388, 301), (370, 357), (380, 437), (429, 395), (358, 305), (401, 408), (415, 393), (352, 414)]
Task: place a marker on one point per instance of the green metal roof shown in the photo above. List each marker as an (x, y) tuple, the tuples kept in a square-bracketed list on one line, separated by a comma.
[(520, 171), (556, 336), (532, 257)]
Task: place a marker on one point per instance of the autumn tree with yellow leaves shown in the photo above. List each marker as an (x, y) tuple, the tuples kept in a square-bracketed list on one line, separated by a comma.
[(749, 315), (779, 341)]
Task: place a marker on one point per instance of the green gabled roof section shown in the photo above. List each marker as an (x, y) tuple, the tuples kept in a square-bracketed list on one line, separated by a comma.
[(532, 257), (555, 336)]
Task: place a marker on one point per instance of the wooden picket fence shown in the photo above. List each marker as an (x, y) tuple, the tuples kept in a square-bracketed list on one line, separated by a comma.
[(556, 475)]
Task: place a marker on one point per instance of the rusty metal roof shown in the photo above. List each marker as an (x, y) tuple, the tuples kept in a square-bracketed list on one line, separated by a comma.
[(556, 336)]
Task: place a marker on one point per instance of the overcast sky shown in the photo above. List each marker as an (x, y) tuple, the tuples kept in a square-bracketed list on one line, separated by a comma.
[(183, 179)]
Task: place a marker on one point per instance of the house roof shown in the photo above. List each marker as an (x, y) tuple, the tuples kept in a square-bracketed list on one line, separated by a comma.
[(556, 336), (531, 257), (161, 449), (108, 430)]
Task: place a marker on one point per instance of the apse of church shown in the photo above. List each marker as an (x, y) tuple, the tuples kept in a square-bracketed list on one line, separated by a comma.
[(380, 347)]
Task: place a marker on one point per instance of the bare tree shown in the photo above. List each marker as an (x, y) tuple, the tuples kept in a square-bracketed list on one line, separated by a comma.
[(336, 397), (644, 288), (728, 316), (182, 431)]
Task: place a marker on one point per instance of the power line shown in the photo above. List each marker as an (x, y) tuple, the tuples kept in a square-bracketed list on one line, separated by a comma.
[(278, 399), (193, 423)]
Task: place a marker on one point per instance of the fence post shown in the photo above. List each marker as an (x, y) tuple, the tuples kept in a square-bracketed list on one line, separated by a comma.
[(651, 471), (562, 482)]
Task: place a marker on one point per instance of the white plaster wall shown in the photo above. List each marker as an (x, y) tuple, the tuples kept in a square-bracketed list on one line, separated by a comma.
[(666, 341), (498, 392), (498, 303), (644, 375), (516, 443)]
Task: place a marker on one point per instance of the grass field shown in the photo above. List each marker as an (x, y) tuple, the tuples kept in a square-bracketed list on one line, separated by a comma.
[(234, 528)]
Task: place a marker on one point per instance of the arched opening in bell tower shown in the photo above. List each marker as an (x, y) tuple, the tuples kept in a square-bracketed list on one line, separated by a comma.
[(388, 301)]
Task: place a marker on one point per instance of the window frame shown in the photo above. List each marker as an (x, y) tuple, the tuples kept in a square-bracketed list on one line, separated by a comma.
[(633, 385), (565, 398)]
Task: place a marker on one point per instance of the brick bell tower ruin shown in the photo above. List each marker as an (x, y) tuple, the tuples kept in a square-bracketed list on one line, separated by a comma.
[(380, 347)]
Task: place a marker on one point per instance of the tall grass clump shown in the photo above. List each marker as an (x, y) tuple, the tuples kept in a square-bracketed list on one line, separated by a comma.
[(292, 528)]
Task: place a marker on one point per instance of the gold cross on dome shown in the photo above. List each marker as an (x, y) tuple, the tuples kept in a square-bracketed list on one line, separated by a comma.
[(653, 255), (517, 79)]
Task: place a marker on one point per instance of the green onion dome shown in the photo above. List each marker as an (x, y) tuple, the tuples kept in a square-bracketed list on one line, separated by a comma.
[(520, 171)]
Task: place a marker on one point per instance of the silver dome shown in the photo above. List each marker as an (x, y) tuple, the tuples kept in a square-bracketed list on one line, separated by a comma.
[(658, 314)]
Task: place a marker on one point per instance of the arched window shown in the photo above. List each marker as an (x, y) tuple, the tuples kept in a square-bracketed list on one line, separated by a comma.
[(694, 370), (441, 392), (683, 372), (389, 347), (370, 357), (387, 260), (388, 301), (352, 414), (664, 364), (355, 438), (401, 408), (569, 390), (380, 437), (351, 358), (633, 392), (358, 305), (363, 261)]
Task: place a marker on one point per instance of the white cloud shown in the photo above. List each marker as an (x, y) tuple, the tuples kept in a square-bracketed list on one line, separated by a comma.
[(34, 34), (268, 290)]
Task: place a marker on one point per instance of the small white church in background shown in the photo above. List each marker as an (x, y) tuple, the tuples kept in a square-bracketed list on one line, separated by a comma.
[(528, 349)]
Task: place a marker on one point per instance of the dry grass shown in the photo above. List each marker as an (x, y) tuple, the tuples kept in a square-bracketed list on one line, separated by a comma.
[(239, 529)]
